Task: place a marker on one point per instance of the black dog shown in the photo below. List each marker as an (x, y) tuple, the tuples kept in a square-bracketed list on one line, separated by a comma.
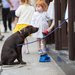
[(11, 50)]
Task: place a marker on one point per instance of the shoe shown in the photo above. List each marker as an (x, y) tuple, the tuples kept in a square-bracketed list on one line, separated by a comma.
[(45, 58), (45, 32)]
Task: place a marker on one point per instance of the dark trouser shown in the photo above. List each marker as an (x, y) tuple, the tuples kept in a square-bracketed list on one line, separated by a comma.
[(13, 15), (6, 16)]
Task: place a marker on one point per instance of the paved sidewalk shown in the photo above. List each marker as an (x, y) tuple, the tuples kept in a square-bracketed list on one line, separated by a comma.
[(33, 67)]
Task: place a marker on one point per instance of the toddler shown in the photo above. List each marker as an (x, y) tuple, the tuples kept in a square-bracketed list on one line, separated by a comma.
[(40, 19)]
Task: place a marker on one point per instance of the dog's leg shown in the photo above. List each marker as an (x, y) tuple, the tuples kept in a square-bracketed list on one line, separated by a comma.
[(8, 56), (12, 56), (19, 55)]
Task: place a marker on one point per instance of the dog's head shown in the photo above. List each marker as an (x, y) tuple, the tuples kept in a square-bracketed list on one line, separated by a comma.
[(29, 30)]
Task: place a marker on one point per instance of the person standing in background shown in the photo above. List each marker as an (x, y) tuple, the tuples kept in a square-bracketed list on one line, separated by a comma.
[(23, 16), (24, 12), (15, 4), (40, 19), (6, 17)]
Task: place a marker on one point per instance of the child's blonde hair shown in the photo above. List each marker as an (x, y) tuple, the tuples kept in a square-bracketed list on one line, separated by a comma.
[(25, 1), (43, 4)]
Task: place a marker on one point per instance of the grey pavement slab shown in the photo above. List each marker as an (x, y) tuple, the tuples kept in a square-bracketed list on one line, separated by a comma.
[(33, 67), (62, 59)]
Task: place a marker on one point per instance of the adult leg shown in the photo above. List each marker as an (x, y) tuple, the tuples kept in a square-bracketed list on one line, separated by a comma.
[(9, 19), (9, 24), (13, 15), (4, 18)]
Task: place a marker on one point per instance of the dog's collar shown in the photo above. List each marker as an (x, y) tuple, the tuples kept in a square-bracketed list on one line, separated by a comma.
[(21, 34)]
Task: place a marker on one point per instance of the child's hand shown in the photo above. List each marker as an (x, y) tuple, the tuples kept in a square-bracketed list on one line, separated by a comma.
[(45, 32)]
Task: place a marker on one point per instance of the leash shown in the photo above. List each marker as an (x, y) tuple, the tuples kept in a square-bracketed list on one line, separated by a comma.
[(55, 29), (58, 58), (46, 35)]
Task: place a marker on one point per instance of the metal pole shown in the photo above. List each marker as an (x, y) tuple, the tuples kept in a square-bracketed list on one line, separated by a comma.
[(71, 40), (58, 42)]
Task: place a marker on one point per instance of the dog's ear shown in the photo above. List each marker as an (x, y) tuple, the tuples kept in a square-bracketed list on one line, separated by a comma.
[(29, 29), (32, 29), (26, 30)]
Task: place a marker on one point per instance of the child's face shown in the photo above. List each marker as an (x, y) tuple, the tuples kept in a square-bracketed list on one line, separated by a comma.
[(39, 8)]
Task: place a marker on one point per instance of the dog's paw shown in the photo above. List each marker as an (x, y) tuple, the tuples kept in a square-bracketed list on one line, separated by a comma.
[(23, 62)]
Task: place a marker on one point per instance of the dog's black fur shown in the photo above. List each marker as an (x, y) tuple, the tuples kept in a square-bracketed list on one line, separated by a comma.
[(11, 50)]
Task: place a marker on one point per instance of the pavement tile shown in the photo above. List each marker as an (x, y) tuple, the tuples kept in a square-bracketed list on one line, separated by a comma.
[(33, 67)]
